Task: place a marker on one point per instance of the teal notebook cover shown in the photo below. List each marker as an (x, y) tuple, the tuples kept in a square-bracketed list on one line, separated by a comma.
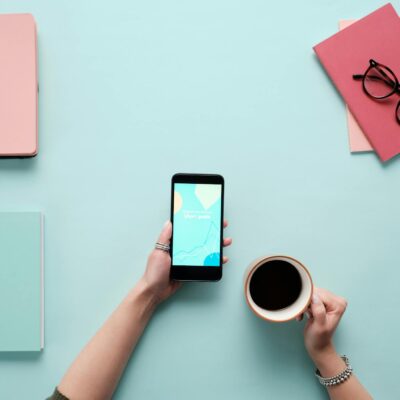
[(21, 281)]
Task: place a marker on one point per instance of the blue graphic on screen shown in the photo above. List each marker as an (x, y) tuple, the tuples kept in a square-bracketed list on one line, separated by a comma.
[(197, 224)]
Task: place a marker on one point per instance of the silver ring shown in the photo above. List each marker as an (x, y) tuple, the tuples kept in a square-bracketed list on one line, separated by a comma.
[(162, 246)]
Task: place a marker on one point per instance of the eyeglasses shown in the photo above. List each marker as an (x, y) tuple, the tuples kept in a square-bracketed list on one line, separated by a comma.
[(379, 82)]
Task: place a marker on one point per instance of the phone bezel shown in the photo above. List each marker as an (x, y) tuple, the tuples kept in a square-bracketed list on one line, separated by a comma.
[(190, 272)]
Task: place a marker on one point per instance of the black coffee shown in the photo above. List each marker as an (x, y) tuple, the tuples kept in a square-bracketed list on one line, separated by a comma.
[(275, 285)]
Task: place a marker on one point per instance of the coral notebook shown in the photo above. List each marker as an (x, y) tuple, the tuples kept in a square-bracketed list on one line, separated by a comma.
[(18, 86), (348, 52)]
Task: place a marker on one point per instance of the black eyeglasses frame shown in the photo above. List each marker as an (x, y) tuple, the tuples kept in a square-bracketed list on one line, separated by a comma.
[(386, 79)]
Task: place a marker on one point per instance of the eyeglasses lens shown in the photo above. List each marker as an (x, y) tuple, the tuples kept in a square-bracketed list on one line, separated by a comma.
[(379, 82)]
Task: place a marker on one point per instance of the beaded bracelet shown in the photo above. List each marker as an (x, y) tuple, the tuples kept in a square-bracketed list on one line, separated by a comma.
[(337, 379)]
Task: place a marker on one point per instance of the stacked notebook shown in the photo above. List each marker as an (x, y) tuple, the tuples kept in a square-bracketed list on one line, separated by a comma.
[(377, 36), (21, 282), (18, 86)]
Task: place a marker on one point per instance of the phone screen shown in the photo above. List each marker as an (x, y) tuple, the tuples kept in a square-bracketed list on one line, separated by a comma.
[(197, 209)]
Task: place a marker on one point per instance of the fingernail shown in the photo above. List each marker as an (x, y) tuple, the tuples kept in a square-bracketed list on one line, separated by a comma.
[(166, 223), (316, 299)]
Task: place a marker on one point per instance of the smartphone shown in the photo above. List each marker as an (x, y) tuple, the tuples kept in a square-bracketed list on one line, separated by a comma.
[(197, 215)]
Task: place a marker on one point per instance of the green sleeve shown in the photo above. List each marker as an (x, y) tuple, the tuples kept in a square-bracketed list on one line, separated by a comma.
[(57, 396)]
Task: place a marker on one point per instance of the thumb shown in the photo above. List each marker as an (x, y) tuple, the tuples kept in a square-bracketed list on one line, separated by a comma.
[(166, 233), (318, 310)]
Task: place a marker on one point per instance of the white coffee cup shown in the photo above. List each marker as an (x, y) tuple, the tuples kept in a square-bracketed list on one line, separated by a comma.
[(295, 309)]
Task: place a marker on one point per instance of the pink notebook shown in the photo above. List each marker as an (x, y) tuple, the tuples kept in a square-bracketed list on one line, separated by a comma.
[(357, 140), (18, 86), (348, 52)]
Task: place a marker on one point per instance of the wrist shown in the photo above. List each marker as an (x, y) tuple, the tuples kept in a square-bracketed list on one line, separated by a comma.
[(142, 295), (327, 361), (320, 353)]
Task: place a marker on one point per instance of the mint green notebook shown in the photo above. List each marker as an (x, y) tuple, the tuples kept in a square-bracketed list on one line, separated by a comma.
[(21, 281)]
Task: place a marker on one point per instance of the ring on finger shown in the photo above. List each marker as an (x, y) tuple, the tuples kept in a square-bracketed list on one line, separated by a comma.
[(162, 246)]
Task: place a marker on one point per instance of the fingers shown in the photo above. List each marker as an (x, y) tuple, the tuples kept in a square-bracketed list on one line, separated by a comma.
[(165, 235), (341, 306), (317, 309), (301, 316), (227, 242), (332, 302)]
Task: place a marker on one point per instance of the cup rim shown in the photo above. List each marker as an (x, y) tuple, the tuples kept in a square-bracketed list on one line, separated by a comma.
[(255, 264)]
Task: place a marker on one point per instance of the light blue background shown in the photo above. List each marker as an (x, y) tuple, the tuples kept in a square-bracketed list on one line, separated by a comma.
[(132, 92)]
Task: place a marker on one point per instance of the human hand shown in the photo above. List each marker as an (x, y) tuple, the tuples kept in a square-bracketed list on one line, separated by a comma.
[(157, 274), (325, 312)]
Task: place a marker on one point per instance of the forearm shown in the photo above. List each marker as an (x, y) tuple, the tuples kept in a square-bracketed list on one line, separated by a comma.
[(95, 373), (329, 364)]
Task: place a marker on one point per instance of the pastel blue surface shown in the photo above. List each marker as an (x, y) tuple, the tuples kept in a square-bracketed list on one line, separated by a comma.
[(132, 92)]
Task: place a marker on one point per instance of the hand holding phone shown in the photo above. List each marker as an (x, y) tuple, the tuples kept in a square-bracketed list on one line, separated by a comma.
[(197, 219)]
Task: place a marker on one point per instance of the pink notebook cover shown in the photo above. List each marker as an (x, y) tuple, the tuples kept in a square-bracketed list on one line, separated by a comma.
[(18, 86), (357, 140), (348, 52)]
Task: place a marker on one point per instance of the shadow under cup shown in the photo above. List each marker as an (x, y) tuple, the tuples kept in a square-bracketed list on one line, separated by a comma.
[(294, 309)]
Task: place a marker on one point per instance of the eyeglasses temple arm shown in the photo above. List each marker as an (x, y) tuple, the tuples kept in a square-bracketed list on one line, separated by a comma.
[(358, 77)]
